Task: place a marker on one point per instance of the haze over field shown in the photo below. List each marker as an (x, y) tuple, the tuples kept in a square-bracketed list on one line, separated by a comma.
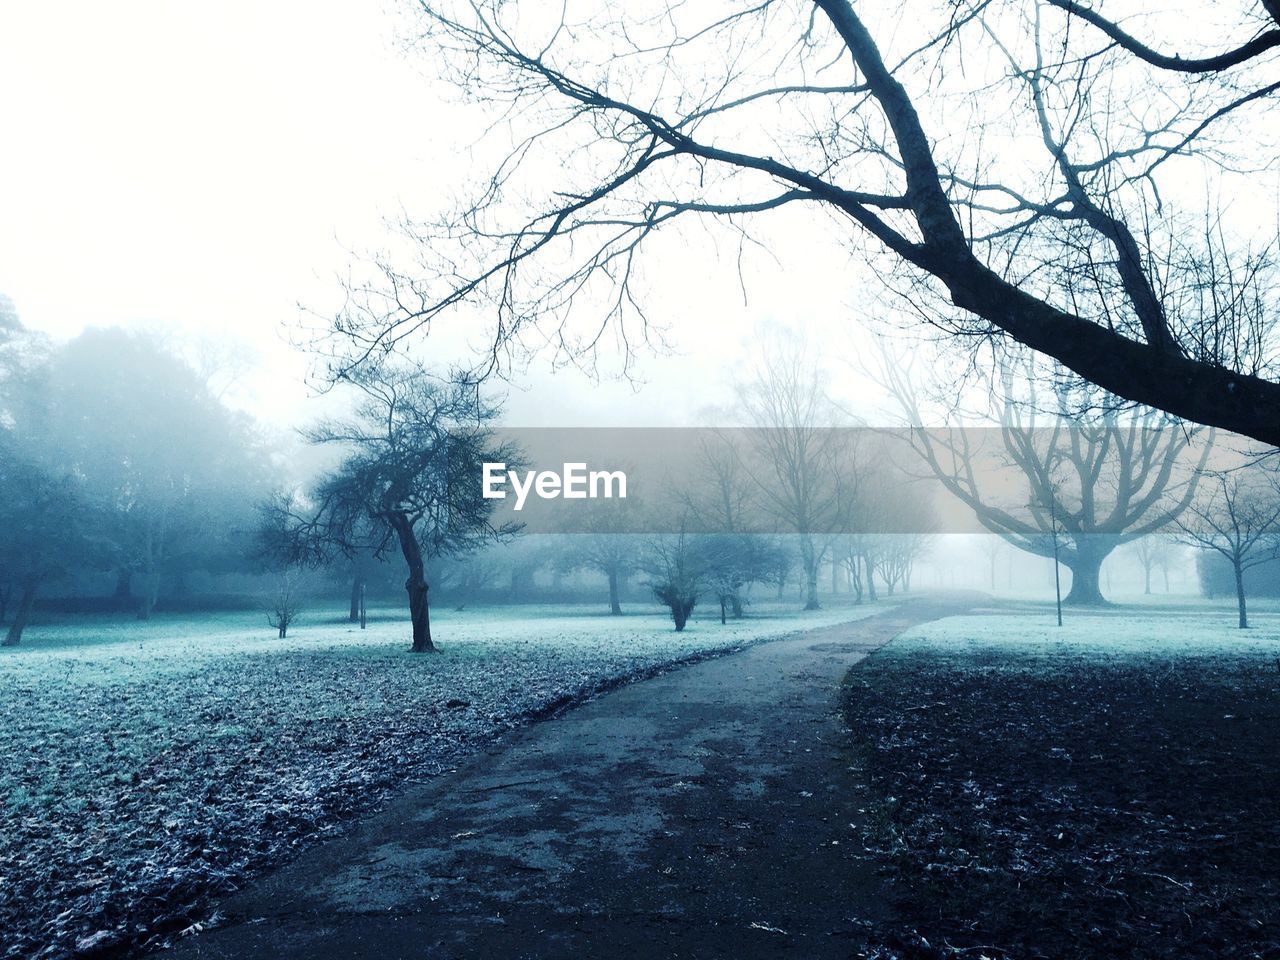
[(926, 356)]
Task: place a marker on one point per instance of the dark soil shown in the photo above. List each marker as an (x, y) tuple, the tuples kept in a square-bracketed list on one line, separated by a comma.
[(1072, 806)]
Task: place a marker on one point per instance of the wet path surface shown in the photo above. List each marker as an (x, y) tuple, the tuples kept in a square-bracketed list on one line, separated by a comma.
[(703, 813)]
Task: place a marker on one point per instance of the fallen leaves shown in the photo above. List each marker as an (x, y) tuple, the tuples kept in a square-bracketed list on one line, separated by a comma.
[(1072, 806), (134, 789)]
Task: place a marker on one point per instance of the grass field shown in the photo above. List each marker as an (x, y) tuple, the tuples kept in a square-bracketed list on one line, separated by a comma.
[(144, 767), (1107, 789)]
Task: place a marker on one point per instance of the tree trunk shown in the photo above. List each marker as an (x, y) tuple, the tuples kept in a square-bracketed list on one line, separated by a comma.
[(723, 619), (735, 605), (1146, 576), (1086, 570), (1240, 604), (809, 556), (615, 608), (870, 569), (151, 593), (415, 584), (420, 612), (122, 596), (357, 584), (811, 590), (521, 581), (855, 578), (25, 602), (152, 551), (680, 611)]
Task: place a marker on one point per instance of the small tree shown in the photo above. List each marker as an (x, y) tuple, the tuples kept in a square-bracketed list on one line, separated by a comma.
[(287, 602), (608, 547), (729, 562), (1153, 553), (900, 553), (1238, 516), (675, 577)]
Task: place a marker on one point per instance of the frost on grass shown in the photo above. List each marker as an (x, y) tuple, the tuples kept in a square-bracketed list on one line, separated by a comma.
[(144, 768), (1105, 790)]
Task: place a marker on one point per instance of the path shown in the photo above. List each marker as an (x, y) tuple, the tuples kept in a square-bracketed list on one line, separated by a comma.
[(703, 813)]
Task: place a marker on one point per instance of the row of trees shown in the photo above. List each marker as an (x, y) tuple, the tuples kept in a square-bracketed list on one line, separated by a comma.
[(119, 459), (613, 567), (408, 484), (117, 456)]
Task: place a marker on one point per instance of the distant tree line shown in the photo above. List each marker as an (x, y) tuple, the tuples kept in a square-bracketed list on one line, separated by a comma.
[(118, 459)]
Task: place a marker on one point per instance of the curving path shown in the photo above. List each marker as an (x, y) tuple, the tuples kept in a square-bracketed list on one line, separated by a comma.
[(703, 813)]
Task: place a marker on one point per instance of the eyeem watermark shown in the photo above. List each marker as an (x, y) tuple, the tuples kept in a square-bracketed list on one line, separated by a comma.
[(574, 482)]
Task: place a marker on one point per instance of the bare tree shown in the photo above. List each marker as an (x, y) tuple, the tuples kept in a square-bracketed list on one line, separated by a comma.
[(608, 546), (721, 497), (805, 471), (1089, 487), (727, 563), (720, 494), (410, 479), (992, 547), (1238, 517), (286, 604), (899, 555), (1152, 553), (850, 552), (1024, 161)]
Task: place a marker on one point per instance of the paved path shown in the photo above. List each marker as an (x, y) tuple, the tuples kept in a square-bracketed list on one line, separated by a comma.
[(703, 813)]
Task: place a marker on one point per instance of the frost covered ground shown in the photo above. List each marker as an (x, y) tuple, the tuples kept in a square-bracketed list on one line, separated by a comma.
[(1107, 789), (146, 767)]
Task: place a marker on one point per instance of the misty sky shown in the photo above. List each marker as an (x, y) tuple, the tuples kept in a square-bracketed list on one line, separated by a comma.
[(205, 168)]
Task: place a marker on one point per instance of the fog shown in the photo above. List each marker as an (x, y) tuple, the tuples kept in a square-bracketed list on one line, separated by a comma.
[(378, 379)]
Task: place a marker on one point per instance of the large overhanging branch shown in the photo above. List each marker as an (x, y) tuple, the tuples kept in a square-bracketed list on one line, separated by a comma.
[(1255, 47), (1146, 373), (926, 213)]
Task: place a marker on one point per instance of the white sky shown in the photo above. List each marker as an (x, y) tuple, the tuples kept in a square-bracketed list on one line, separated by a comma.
[(203, 168)]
